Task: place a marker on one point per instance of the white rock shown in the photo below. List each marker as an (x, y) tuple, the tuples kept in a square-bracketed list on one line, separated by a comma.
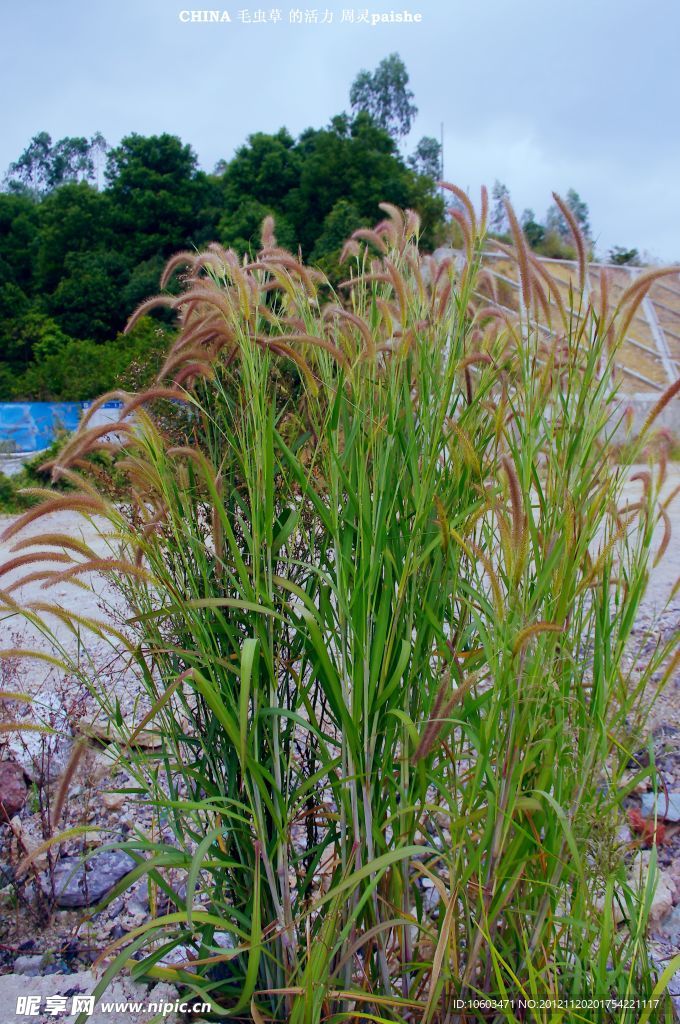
[(617, 912), (652, 805), (121, 990), (114, 801), (662, 901)]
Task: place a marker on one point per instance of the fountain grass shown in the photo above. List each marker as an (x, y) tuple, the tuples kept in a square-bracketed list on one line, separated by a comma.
[(380, 603)]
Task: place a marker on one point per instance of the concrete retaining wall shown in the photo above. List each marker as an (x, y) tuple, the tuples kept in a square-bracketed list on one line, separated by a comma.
[(641, 405)]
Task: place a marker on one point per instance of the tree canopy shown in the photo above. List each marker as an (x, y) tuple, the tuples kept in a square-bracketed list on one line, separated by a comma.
[(384, 94), (44, 166), (75, 260), (85, 228)]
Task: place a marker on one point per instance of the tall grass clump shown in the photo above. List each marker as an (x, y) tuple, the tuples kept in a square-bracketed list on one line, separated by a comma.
[(380, 610)]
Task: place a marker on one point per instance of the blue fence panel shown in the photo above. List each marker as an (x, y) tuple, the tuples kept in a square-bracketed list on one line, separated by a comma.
[(33, 426)]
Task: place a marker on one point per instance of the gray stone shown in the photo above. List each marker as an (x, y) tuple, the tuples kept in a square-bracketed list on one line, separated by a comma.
[(13, 791), (670, 928), (650, 803), (120, 990), (30, 966), (83, 884)]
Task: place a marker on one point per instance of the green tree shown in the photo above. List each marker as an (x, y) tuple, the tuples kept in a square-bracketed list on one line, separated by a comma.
[(19, 235), (257, 182), (74, 218), (70, 162), (31, 172), (159, 197), (141, 283), (555, 222), (76, 369), (357, 161), (79, 370), (623, 257), (300, 182), (533, 230), (240, 229), (44, 166), (498, 219), (338, 225), (267, 166), (13, 301), (384, 94), (24, 333), (87, 302), (427, 158)]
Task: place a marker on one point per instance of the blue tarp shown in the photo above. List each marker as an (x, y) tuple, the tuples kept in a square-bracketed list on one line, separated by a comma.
[(32, 426)]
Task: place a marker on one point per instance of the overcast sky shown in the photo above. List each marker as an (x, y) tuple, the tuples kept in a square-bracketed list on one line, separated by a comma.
[(540, 94)]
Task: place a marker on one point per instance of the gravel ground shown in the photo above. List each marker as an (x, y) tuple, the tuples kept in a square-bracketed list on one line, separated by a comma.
[(122, 990)]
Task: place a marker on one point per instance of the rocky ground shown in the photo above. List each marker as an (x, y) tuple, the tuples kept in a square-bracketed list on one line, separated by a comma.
[(51, 932), (50, 935)]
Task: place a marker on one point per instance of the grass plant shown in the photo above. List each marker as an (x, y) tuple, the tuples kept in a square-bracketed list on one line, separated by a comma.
[(381, 615)]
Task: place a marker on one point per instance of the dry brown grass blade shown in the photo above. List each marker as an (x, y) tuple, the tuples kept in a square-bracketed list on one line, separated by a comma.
[(70, 618), (517, 504), (484, 212), (196, 370), (438, 959), (475, 358), (306, 339), (396, 217), (369, 235), (36, 556), (579, 240), (168, 301), (357, 321), (74, 760), (645, 478), (666, 539), (541, 300), (538, 627), (643, 282), (99, 565), (84, 441), (71, 833), (26, 727), (520, 254), (440, 712), (153, 395), (412, 224), (604, 295), (400, 291), (289, 353), (668, 395), (267, 236), (47, 577), (464, 224), (160, 703), (350, 250), (184, 258), (634, 295), (542, 271), (465, 200), (84, 504)]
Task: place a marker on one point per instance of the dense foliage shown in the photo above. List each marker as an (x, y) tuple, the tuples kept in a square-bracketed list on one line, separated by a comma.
[(76, 259), (85, 229)]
